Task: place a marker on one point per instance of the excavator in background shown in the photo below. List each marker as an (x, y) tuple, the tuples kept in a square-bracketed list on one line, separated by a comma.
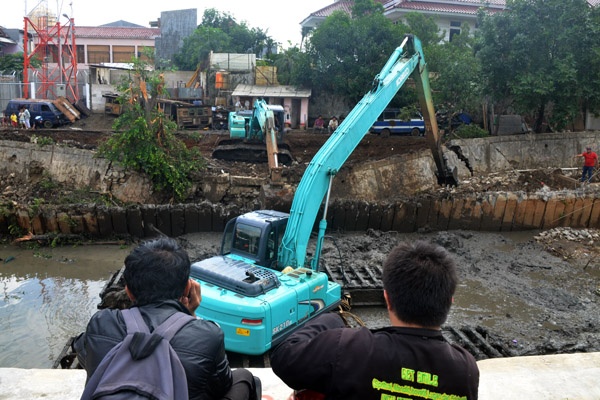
[(256, 136), (267, 280)]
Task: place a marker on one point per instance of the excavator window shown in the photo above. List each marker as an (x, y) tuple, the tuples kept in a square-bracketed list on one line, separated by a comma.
[(247, 239)]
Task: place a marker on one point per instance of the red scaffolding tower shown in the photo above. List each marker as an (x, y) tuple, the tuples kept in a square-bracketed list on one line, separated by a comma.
[(56, 50)]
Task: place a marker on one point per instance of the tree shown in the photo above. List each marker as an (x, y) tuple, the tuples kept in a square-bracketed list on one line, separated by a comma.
[(456, 82), (221, 33), (145, 139), (14, 63), (346, 51), (538, 55)]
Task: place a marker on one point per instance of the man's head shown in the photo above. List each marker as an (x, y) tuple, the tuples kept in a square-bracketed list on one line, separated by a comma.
[(419, 280), (157, 270), (588, 149)]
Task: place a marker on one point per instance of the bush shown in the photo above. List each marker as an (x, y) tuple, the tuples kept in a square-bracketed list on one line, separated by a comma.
[(469, 131)]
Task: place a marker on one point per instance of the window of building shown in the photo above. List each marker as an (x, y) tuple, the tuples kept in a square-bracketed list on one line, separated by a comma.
[(98, 54), (454, 29), (80, 54), (123, 54)]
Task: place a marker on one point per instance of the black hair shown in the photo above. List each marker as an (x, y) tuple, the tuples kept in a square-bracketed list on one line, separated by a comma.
[(157, 270), (420, 280)]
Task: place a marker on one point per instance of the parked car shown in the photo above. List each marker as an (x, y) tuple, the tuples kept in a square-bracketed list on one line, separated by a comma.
[(49, 115), (389, 122)]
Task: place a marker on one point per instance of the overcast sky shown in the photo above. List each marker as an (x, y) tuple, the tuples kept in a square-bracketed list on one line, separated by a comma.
[(281, 19)]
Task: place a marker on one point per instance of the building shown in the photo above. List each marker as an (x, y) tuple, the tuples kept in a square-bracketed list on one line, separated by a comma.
[(448, 14), (111, 43)]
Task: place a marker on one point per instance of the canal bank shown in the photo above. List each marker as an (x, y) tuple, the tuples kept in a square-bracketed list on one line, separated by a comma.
[(565, 376)]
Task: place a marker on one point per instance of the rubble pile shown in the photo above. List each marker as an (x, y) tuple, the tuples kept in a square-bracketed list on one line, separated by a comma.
[(581, 246), (536, 181), (586, 236)]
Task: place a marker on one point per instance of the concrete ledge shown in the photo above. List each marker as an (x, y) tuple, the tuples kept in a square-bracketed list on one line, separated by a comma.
[(566, 376), (563, 376), (67, 384)]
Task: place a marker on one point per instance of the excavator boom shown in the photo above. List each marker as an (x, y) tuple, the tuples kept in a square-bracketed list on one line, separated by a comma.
[(406, 61)]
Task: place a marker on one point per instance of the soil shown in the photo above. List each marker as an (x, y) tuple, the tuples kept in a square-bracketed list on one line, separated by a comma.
[(537, 295)]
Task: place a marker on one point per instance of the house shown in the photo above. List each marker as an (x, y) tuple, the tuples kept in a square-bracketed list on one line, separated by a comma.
[(111, 43), (448, 14), (11, 41)]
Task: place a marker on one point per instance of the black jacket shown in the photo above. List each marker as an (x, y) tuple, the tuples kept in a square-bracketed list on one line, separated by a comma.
[(199, 345), (348, 363)]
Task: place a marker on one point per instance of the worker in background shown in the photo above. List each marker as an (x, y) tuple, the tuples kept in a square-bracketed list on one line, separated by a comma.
[(333, 124), (319, 124), (589, 163), (325, 356)]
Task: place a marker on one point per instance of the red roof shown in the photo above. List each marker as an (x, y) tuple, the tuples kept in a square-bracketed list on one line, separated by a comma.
[(467, 7), (112, 32), (464, 7)]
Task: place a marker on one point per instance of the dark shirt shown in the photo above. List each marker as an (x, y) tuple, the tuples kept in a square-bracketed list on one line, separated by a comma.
[(199, 344), (359, 363)]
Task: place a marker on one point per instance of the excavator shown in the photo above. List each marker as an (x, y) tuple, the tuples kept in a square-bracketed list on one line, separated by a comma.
[(267, 281), (253, 137)]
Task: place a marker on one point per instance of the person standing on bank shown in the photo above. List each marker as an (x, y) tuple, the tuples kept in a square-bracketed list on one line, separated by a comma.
[(590, 162), (406, 359), (157, 282)]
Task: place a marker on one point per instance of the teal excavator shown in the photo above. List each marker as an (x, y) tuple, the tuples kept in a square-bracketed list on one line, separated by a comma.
[(255, 136), (265, 283)]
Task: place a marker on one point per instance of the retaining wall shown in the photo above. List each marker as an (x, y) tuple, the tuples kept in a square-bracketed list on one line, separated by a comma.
[(549, 150), (488, 212)]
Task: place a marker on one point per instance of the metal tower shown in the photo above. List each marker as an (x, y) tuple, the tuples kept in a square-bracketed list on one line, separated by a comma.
[(55, 48)]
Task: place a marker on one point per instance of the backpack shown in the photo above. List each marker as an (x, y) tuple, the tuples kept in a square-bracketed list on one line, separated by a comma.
[(143, 365)]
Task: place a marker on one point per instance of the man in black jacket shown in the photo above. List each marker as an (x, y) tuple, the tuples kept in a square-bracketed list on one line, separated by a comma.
[(409, 359), (157, 281)]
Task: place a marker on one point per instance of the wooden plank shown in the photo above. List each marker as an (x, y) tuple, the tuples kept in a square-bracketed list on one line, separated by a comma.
[(67, 109)]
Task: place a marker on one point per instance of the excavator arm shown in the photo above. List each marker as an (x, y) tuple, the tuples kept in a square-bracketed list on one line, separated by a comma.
[(262, 126), (406, 61)]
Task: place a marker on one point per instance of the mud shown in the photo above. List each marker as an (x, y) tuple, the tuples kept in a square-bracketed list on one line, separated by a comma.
[(523, 294), (527, 294)]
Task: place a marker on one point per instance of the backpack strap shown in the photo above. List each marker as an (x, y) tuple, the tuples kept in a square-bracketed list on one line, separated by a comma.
[(173, 324), (134, 321)]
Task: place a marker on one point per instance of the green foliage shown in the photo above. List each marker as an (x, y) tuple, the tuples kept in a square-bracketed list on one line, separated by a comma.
[(456, 81), (220, 33), (12, 62), (290, 65), (542, 55), (146, 141), (469, 131), (42, 141), (347, 51), (425, 28)]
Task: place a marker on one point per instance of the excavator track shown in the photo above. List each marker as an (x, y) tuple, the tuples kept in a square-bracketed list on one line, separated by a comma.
[(249, 151)]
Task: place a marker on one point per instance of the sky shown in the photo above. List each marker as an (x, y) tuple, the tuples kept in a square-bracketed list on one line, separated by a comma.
[(281, 19)]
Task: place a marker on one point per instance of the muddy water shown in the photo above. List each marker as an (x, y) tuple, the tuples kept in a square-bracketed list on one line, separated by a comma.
[(507, 285), (47, 295)]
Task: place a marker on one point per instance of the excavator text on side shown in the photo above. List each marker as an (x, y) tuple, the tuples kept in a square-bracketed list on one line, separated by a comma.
[(265, 283)]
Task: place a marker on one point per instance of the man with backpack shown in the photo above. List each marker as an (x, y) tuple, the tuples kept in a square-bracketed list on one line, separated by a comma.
[(157, 282)]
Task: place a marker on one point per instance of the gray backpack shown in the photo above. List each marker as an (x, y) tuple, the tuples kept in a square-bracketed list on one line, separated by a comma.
[(143, 365)]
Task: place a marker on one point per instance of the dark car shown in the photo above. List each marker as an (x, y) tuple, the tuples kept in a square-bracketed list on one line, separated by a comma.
[(43, 112)]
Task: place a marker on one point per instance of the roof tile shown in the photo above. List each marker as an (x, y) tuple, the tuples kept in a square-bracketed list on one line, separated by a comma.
[(100, 32)]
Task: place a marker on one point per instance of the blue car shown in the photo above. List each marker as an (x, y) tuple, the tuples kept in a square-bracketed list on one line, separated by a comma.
[(389, 122)]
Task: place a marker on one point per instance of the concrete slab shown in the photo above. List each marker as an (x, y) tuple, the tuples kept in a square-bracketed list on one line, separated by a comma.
[(566, 376), (67, 384)]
